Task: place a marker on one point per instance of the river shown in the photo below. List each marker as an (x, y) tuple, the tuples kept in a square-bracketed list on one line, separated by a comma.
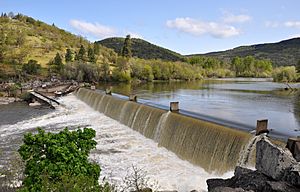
[(118, 147), (240, 101)]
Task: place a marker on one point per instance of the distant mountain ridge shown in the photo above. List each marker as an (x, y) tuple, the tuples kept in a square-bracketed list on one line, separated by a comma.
[(283, 53), (142, 49)]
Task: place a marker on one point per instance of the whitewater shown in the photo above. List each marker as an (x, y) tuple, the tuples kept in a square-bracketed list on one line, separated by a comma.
[(118, 148)]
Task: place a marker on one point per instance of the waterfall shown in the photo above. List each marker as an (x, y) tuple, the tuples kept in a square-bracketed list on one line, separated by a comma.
[(160, 126), (208, 145)]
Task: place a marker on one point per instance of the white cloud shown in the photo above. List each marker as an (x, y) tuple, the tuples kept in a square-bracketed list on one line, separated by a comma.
[(272, 24), (295, 24), (231, 18), (198, 27), (95, 29)]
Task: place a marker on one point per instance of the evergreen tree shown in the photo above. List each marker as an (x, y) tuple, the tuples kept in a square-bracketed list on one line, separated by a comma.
[(96, 48), (69, 56), (126, 50), (91, 55), (57, 63), (81, 53)]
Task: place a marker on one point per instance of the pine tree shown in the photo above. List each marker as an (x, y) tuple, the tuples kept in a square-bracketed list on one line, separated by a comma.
[(81, 53), (96, 48), (69, 56), (57, 63), (126, 50), (91, 55)]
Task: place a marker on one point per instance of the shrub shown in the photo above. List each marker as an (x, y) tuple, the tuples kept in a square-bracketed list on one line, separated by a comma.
[(121, 76), (285, 74), (52, 160)]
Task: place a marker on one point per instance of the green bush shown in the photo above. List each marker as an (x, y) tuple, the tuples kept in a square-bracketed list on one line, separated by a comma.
[(121, 76), (55, 160), (32, 67), (25, 96), (285, 74)]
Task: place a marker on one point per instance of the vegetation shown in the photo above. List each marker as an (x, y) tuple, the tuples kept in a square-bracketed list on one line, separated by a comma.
[(59, 162), (32, 67), (283, 53), (285, 74), (142, 49), (32, 49), (23, 38), (126, 50), (238, 67)]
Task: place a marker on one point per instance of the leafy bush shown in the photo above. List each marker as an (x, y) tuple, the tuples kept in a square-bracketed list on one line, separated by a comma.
[(285, 74), (54, 160), (121, 76), (32, 67)]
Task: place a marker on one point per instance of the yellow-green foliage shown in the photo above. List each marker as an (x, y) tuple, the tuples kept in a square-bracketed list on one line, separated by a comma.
[(285, 74), (26, 38)]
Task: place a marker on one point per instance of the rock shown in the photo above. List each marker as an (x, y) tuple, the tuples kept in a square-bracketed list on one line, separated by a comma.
[(146, 190), (229, 189), (248, 180), (277, 163), (292, 175), (276, 186)]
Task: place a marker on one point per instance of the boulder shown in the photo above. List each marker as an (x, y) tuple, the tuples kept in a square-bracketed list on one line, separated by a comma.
[(277, 163), (279, 186), (248, 180), (229, 189)]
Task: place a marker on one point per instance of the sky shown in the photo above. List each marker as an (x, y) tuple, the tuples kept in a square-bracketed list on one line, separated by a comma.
[(184, 26)]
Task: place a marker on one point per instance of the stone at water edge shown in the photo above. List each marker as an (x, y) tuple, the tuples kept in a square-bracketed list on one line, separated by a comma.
[(277, 163), (246, 180), (229, 189)]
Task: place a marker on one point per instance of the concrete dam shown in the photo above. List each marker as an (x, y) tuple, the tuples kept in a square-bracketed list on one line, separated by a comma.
[(213, 147)]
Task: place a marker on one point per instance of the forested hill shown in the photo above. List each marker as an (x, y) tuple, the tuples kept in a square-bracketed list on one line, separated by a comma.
[(142, 49), (285, 52), (23, 38)]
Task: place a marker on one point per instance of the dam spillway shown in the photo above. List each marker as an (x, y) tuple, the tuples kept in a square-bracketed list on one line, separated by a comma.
[(211, 146)]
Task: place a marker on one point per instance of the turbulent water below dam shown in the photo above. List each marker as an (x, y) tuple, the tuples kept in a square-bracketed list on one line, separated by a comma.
[(118, 147)]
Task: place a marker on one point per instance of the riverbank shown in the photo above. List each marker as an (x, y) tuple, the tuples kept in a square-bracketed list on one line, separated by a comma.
[(8, 100)]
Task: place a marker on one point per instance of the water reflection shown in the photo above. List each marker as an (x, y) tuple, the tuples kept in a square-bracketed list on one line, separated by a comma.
[(239, 101), (297, 108)]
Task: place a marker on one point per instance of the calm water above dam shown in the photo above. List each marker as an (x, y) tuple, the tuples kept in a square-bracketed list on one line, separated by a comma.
[(242, 101)]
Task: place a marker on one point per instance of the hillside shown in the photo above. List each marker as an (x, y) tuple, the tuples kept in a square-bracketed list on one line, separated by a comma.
[(23, 38), (285, 52), (142, 49)]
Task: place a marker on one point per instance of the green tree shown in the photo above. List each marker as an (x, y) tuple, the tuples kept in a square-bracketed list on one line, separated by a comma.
[(56, 64), (126, 50), (96, 48), (51, 159), (91, 55), (32, 67), (81, 54), (69, 56), (105, 71)]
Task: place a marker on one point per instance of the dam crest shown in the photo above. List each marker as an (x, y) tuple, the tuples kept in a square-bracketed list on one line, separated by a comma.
[(213, 147)]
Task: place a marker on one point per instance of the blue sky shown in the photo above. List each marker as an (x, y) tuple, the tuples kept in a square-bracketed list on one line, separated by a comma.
[(185, 26)]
